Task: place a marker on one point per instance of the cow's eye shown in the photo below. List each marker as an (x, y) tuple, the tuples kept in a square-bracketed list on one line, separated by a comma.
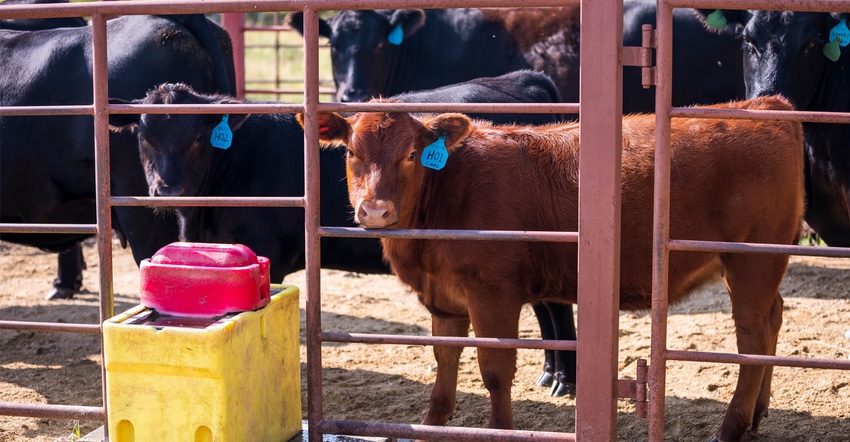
[(412, 156), (749, 45), (349, 153), (809, 47)]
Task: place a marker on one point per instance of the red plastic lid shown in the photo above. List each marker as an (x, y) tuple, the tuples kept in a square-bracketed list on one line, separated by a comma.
[(204, 279), (205, 255)]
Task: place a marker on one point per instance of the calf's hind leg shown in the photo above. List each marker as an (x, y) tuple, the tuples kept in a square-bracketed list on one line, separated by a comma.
[(763, 401), (753, 283)]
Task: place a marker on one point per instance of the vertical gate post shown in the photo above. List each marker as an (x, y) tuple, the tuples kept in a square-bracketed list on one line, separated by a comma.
[(100, 97), (599, 218), (313, 309), (661, 220), (234, 24)]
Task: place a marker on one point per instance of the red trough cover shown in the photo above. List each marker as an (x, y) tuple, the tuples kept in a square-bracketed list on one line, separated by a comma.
[(200, 279)]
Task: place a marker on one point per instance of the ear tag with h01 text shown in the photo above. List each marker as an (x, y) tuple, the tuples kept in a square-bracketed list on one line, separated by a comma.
[(396, 36), (435, 154), (221, 136)]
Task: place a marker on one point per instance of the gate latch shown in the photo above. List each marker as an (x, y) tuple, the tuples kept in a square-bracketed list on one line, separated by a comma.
[(635, 389)]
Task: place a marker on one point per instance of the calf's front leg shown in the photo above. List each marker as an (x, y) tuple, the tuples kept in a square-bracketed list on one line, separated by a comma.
[(497, 365), (444, 393)]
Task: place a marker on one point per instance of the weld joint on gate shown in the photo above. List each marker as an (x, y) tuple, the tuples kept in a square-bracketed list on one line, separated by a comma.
[(642, 56), (635, 389)]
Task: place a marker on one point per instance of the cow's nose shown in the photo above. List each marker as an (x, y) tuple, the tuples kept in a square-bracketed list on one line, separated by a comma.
[(352, 96), (376, 214), (170, 190)]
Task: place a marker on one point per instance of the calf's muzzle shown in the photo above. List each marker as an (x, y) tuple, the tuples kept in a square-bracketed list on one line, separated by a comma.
[(375, 214)]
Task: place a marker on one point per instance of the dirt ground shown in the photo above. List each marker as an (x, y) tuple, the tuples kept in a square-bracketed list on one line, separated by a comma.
[(393, 383)]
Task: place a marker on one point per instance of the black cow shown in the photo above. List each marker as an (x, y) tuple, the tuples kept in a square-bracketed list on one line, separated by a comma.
[(786, 53), (47, 163), (266, 159), (70, 264), (443, 46), (35, 24)]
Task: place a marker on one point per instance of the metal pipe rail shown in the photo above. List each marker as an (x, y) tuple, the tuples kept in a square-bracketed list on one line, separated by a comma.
[(367, 338), (85, 229), (503, 235), (50, 327), (438, 433), (146, 7), (596, 423), (740, 247), (749, 359), (207, 201), (53, 411)]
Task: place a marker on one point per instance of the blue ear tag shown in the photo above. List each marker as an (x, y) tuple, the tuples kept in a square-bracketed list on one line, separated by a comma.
[(840, 31), (221, 136), (435, 154), (396, 35)]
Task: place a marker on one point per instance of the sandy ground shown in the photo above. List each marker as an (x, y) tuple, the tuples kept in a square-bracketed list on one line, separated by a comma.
[(393, 383)]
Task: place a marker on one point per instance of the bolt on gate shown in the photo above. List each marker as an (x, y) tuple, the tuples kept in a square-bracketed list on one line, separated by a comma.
[(597, 237)]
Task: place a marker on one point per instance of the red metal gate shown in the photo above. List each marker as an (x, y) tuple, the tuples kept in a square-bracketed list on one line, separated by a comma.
[(598, 233)]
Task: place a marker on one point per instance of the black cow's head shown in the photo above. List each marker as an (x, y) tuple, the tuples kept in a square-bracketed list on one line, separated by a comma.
[(175, 149), (365, 48), (784, 53)]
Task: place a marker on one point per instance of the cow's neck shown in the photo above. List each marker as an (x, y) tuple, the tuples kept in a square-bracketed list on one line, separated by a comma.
[(407, 254)]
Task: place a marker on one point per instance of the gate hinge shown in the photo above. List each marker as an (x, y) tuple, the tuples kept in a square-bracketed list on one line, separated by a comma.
[(642, 56), (635, 389)]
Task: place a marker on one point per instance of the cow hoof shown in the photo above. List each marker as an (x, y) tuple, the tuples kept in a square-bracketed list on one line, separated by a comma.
[(545, 379), (560, 389), (60, 293)]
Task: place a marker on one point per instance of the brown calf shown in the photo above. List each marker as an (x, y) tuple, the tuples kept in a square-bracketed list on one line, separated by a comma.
[(732, 180)]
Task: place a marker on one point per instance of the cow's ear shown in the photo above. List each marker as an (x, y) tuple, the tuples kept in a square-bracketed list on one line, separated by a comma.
[(456, 127), (233, 120), (334, 130), (296, 20), (723, 21), (410, 20), (120, 122)]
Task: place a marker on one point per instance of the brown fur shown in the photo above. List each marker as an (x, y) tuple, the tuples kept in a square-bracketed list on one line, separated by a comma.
[(733, 180), (529, 26)]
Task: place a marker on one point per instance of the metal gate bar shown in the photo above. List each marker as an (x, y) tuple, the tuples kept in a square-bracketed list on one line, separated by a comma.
[(314, 231), (662, 243)]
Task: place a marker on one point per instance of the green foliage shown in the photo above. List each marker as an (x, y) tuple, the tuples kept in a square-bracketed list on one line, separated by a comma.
[(812, 239), (75, 432)]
